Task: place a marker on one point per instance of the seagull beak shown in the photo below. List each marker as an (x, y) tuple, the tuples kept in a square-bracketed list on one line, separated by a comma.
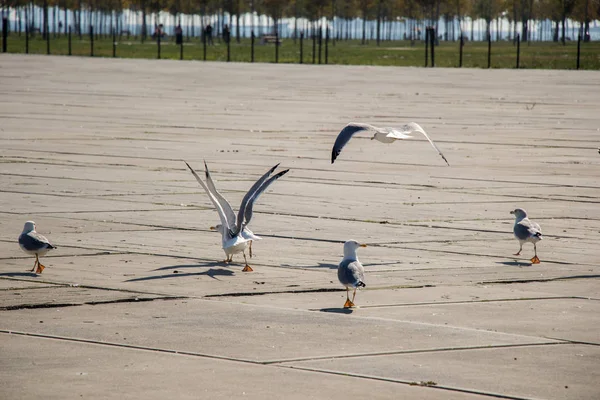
[(212, 228), (512, 212), (363, 245)]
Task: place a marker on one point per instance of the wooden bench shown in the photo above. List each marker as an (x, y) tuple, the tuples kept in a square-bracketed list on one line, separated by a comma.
[(265, 39)]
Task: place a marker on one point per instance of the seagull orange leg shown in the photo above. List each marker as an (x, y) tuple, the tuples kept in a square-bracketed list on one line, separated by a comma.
[(35, 263), (40, 267), (247, 268), (519, 252), (348, 303), (535, 259)]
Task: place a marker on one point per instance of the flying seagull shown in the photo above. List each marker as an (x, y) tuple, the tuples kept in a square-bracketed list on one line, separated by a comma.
[(526, 231), (384, 135), (35, 244), (350, 271), (231, 229), (246, 233)]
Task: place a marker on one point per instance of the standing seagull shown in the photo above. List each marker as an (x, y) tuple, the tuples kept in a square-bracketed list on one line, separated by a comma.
[(351, 273), (231, 228), (35, 244), (384, 135), (526, 231)]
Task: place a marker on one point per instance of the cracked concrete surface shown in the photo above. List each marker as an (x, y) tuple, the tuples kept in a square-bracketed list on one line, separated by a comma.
[(136, 303)]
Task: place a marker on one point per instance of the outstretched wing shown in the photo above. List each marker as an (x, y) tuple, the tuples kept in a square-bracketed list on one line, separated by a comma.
[(248, 210), (222, 201), (345, 135), (247, 197), (414, 127), (212, 198)]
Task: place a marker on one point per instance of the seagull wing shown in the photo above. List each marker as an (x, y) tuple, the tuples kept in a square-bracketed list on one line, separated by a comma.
[(525, 229), (212, 198), (414, 127), (33, 241), (346, 134), (222, 201), (240, 217), (257, 193)]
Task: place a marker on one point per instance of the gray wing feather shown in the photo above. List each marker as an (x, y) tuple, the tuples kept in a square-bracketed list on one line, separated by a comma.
[(344, 137), (248, 196), (33, 241), (525, 229), (351, 273), (222, 201), (413, 126), (212, 198), (248, 211)]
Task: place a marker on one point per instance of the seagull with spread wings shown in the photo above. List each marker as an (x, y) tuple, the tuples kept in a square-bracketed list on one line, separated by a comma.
[(384, 135), (232, 227), (246, 232)]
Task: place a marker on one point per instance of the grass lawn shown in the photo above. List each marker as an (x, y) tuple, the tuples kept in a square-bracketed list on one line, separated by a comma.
[(545, 55)]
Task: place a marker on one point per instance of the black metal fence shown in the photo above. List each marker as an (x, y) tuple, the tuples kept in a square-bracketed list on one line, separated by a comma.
[(321, 43)]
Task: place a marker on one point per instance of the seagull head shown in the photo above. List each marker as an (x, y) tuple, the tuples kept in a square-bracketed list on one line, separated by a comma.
[(29, 226), (218, 228), (519, 213), (350, 248)]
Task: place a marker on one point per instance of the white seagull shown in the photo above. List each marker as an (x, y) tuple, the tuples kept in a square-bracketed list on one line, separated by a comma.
[(35, 244), (526, 231), (231, 229), (384, 135), (351, 272), (246, 233)]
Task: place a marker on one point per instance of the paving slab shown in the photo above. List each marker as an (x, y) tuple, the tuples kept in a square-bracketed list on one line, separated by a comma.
[(529, 372), (31, 368), (248, 332)]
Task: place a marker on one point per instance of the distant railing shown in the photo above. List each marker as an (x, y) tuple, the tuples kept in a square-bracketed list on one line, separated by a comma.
[(271, 48)]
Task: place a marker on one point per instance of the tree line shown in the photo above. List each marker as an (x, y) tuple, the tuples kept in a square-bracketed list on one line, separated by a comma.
[(338, 15)]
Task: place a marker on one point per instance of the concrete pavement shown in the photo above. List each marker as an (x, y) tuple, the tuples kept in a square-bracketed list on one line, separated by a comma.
[(135, 302)]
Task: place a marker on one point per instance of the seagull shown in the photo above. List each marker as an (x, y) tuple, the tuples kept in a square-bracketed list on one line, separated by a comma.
[(351, 273), (526, 231), (35, 244), (231, 228), (246, 233), (384, 135)]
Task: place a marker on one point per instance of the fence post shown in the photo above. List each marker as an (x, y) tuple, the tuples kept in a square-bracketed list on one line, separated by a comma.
[(518, 49), (114, 34), (252, 46), (69, 40), (314, 37), (26, 38), (426, 46), (461, 45), (181, 50), (327, 45), (489, 38), (47, 38), (158, 35), (204, 45), (91, 41), (276, 46), (320, 42), (228, 38), (578, 49), (4, 33), (432, 39), (301, 48)]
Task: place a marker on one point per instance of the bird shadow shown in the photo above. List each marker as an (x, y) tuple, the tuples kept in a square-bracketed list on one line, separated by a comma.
[(209, 264), (515, 263), (337, 310), (17, 274), (319, 265), (213, 273)]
